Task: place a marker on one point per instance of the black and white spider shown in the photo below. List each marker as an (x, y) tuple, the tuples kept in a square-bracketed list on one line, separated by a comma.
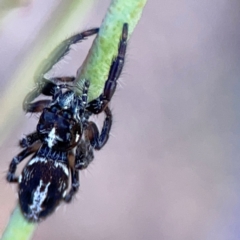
[(64, 139)]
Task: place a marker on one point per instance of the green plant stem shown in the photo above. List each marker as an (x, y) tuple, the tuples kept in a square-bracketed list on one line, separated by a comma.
[(96, 66), (18, 227)]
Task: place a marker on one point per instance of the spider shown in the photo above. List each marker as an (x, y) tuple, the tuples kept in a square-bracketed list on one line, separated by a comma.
[(64, 140)]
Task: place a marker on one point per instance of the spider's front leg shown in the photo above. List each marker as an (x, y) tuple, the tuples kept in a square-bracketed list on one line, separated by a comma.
[(98, 105), (17, 159), (46, 87)]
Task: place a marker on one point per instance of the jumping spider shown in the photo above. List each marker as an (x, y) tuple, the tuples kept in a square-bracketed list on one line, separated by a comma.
[(64, 139)]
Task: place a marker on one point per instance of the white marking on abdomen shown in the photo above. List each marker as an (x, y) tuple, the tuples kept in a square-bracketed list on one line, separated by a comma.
[(38, 198), (61, 165), (37, 159)]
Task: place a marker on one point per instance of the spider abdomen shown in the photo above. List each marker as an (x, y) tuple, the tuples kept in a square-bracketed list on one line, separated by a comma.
[(42, 185)]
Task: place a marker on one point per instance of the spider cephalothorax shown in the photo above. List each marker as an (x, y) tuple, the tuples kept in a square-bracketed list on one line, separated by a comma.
[(60, 126), (63, 133)]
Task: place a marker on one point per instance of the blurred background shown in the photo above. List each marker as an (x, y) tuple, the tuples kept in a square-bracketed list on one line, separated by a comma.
[(170, 170)]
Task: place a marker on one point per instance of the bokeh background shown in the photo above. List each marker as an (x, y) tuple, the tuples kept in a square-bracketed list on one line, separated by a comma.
[(170, 170)]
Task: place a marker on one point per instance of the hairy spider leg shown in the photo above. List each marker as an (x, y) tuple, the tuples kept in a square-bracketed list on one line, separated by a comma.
[(61, 50), (98, 141), (84, 155), (97, 105), (85, 93), (84, 98), (74, 186), (84, 152), (17, 159), (64, 47), (29, 139), (74, 178)]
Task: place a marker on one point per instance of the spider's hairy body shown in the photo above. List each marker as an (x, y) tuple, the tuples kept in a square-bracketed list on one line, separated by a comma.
[(63, 132)]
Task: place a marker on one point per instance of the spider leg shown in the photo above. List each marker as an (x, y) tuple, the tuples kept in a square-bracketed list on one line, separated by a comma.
[(84, 152), (74, 187), (74, 177), (84, 155), (97, 105), (29, 139), (79, 104), (96, 140), (84, 97), (63, 48), (17, 159), (55, 56)]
